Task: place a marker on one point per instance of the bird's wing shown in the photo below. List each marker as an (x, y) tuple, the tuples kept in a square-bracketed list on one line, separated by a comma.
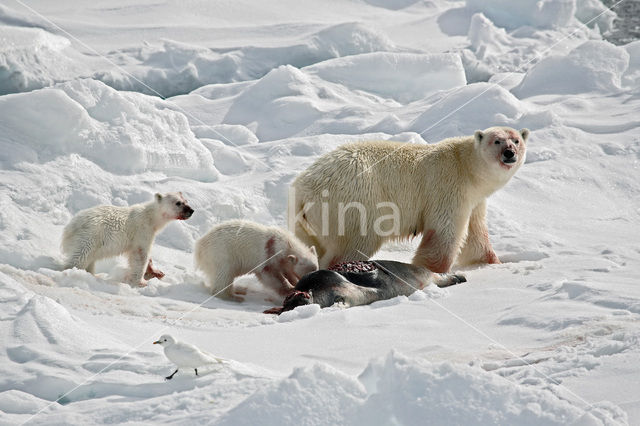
[(215, 358), (191, 356)]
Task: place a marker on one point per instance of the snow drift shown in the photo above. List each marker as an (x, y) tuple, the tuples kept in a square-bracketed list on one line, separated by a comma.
[(592, 66), (404, 391), (177, 68), (405, 77), (535, 13), (120, 132), (32, 58)]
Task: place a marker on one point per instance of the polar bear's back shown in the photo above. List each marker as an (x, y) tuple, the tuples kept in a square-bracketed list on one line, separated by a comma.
[(375, 170), (234, 239), (96, 226)]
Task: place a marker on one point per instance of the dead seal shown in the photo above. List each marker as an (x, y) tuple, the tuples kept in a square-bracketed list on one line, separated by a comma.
[(361, 283)]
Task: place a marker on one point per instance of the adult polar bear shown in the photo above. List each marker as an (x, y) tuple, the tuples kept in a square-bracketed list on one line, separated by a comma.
[(353, 199)]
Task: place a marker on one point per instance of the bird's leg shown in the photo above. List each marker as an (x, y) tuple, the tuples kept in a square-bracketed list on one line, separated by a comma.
[(171, 376), (196, 371)]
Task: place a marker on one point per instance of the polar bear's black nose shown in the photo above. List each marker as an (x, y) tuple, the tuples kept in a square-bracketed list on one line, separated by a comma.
[(188, 211), (508, 156)]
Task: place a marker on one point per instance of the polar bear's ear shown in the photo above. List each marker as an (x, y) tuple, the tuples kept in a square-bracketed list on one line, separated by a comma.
[(478, 135), (293, 259), (158, 197), (525, 134), (313, 250)]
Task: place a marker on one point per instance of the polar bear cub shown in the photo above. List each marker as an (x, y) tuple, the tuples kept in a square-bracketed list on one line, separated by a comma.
[(238, 247), (107, 231)]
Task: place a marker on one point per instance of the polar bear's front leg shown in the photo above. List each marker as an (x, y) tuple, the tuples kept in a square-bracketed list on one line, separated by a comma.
[(440, 245), (434, 253), (477, 248), (138, 260)]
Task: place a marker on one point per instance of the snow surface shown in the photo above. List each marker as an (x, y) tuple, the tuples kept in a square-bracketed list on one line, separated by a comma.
[(109, 102)]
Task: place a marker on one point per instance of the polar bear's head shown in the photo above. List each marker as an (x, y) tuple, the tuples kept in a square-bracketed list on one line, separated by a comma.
[(173, 206), (300, 259), (503, 148)]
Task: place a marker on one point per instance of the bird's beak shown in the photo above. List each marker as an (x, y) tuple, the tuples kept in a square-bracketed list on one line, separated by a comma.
[(156, 342)]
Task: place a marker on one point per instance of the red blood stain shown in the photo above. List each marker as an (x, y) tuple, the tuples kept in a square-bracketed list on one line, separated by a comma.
[(428, 236), (269, 247), (504, 166), (440, 264), (491, 257), (334, 261)]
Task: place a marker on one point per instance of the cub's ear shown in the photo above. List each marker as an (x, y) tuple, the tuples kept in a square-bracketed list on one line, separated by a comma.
[(180, 194), (313, 250), (478, 135), (158, 197), (525, 134), (293, 259)]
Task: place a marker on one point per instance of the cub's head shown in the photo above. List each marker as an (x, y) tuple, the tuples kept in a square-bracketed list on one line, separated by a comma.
[(302, 259), (503, 147), (174, 206)]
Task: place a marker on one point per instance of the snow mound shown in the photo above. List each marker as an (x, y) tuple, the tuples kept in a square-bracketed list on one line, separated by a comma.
[(592, 66), (292, 102), (463, 111), (300, 312), (39, 322), (228, 159), (260, 108), (178, 68), (632, 75), (392, 4), (535, 13), (309, 396), (123, 133), (172, 69), (18, 402), (593, 13), (401, 390), (485, 37), (404, 77), (44, 321), (350, 38), (31, 58), (228, 133)]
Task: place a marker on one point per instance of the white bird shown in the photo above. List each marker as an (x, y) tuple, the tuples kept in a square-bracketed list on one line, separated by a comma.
[(184, 354)]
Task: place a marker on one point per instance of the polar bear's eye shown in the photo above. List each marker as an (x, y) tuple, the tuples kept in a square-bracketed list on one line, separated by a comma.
[(516, 141), (178, 204), (497, 142)]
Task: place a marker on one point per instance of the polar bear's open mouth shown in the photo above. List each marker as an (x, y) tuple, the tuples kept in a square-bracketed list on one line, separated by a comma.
[(186, 213)]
